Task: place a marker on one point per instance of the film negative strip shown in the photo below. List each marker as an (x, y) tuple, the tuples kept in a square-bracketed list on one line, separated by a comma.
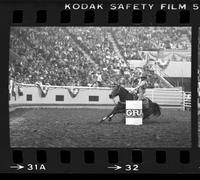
[(99, 86)]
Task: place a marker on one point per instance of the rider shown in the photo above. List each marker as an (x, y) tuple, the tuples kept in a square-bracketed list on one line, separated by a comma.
[(141, 86), (122, 82)]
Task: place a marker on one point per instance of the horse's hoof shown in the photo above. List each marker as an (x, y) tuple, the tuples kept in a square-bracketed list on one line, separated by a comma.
[(101, 121)]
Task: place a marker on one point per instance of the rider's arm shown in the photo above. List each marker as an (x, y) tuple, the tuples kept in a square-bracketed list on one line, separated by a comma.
[(139, 85), (134, 89)]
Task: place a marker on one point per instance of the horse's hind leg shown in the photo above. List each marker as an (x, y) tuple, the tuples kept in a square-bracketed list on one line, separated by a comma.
[(146, 114)]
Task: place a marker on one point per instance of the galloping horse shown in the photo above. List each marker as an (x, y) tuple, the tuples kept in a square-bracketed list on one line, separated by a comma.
[(148, 107)]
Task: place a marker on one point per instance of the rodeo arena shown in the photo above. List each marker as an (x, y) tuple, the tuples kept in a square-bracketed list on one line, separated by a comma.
[(78, 87)]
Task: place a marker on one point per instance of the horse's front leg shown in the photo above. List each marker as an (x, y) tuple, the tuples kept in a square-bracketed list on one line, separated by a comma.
[(117, 110), (109, 116)]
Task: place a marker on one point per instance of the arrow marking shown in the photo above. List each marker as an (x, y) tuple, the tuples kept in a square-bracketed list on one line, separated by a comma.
[(17, 167), (115, 167)]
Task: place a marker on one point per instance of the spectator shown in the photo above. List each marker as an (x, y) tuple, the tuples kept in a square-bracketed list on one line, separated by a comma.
[(57, 55)]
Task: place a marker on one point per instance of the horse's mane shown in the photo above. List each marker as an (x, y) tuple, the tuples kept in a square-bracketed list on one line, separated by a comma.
[(124, 89)]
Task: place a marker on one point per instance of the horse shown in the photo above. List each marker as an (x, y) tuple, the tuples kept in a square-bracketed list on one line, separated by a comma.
[(148, 107)]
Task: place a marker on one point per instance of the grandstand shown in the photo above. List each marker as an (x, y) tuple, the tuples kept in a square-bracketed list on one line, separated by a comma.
[(71, 56)]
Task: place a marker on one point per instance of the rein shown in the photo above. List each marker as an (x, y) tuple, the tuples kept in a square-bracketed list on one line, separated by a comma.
[(114, 101)]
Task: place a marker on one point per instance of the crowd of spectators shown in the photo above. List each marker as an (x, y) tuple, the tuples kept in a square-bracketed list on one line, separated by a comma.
[(53, 55), (130, 40), (48, 55), (95, 41)]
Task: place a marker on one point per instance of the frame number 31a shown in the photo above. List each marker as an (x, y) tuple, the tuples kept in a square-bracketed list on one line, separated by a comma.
[(36, 167)]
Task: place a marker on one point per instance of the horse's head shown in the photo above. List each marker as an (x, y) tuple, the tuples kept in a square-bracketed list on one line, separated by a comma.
[(115, 91)]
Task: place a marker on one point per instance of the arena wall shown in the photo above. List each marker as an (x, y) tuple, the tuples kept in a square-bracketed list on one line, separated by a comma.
[(86, 95), (165, 97)]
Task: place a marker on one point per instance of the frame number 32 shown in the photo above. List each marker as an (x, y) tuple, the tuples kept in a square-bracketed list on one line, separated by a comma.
[(129, 167)]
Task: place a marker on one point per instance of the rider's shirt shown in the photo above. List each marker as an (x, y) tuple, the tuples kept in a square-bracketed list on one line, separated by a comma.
[(142, 84)]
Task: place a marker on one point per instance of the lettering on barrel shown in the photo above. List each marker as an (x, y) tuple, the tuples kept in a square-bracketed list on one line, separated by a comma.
[(135, 113)]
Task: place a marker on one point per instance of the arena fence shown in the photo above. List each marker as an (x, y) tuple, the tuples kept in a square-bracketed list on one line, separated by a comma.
[(187, 100), (38, 95)]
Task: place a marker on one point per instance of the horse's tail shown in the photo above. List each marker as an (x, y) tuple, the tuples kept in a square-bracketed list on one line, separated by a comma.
[(156, 109)]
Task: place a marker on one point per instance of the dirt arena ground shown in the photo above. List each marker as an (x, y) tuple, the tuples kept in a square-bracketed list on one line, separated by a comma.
[(52, 127)]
